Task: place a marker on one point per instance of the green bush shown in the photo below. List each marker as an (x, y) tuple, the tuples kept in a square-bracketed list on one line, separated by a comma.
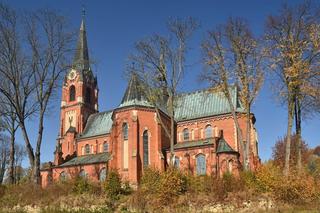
[(126, 188), (112, 185), (200, 184), (150, 180), (81, 186)]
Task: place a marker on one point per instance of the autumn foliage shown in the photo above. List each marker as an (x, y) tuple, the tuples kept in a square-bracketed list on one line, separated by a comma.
[(278, 154)]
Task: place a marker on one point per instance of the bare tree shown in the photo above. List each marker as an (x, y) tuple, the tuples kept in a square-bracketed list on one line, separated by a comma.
[(232, 56), (294, 45), (20, 153), (31, 64), (4, 152), (160, 64), (10, 126), (15, 87)]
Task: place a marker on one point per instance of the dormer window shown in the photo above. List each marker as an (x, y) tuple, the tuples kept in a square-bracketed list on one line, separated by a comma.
[(72, 93)]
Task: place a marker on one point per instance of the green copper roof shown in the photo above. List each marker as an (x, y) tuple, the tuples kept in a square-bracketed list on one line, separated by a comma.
[(98, 124), (134, 95), (87, 159), (191, 144), (204, 103), (81, 57), (223, 146)]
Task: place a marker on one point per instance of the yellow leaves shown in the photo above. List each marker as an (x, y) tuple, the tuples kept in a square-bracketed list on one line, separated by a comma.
[(293, 189)]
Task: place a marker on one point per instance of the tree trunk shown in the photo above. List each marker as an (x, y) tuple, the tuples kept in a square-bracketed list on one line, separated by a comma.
[(239, 132), (288, 142), (12, 152), (36, 169), (28, 145), (36, 166), (3, 165), (298, 132), (172, 130), (248, 141)]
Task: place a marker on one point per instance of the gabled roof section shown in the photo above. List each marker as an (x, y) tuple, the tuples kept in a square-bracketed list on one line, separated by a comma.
[(224, 147), (87, 159), (134, 95), (98, 124), (205, 103)]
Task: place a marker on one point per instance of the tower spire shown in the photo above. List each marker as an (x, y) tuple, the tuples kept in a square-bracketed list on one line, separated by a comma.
[(81, 57)]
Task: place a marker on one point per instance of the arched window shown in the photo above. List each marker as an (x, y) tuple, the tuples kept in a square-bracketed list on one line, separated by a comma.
[(72, 93), (88, 95), (185, 134), (145, 148), (87, 149), (125, 146), (105, 147), (82, 174), (63, 176), (176, 162), (201, 164), (103, 174), (208, 131), (125, 131)]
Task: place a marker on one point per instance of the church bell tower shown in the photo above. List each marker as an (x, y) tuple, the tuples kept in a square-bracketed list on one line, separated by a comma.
[(79, 96)]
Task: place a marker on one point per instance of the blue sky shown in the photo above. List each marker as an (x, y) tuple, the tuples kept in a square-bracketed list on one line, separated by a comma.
[(114, 26)]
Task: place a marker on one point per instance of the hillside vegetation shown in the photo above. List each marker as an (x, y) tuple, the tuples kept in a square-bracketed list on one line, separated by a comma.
[(173, 191)]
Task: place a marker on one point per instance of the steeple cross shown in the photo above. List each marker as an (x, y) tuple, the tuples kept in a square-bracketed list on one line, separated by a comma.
[(83, 11)]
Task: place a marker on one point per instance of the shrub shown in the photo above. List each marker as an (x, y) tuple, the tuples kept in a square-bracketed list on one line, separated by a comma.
[(268, 177), (126, 188), (159, 188), (112, 185), (248, 178), (150, 180), (295, 189), (200, 184), (172, 183), (81, 186)]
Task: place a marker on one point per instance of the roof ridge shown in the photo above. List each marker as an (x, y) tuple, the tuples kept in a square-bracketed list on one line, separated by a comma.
[(203, 90), (99, 113)]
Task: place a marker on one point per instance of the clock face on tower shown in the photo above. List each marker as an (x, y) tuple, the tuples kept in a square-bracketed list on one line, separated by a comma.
[(72, 75)]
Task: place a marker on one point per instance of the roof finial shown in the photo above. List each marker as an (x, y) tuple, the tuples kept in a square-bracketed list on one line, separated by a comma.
[(83, 11)]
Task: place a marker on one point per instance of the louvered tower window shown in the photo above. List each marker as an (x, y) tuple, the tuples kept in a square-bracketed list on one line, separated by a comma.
[(72, 93)]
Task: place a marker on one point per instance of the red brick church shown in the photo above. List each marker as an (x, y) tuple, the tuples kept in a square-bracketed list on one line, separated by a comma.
[(129, 138)]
